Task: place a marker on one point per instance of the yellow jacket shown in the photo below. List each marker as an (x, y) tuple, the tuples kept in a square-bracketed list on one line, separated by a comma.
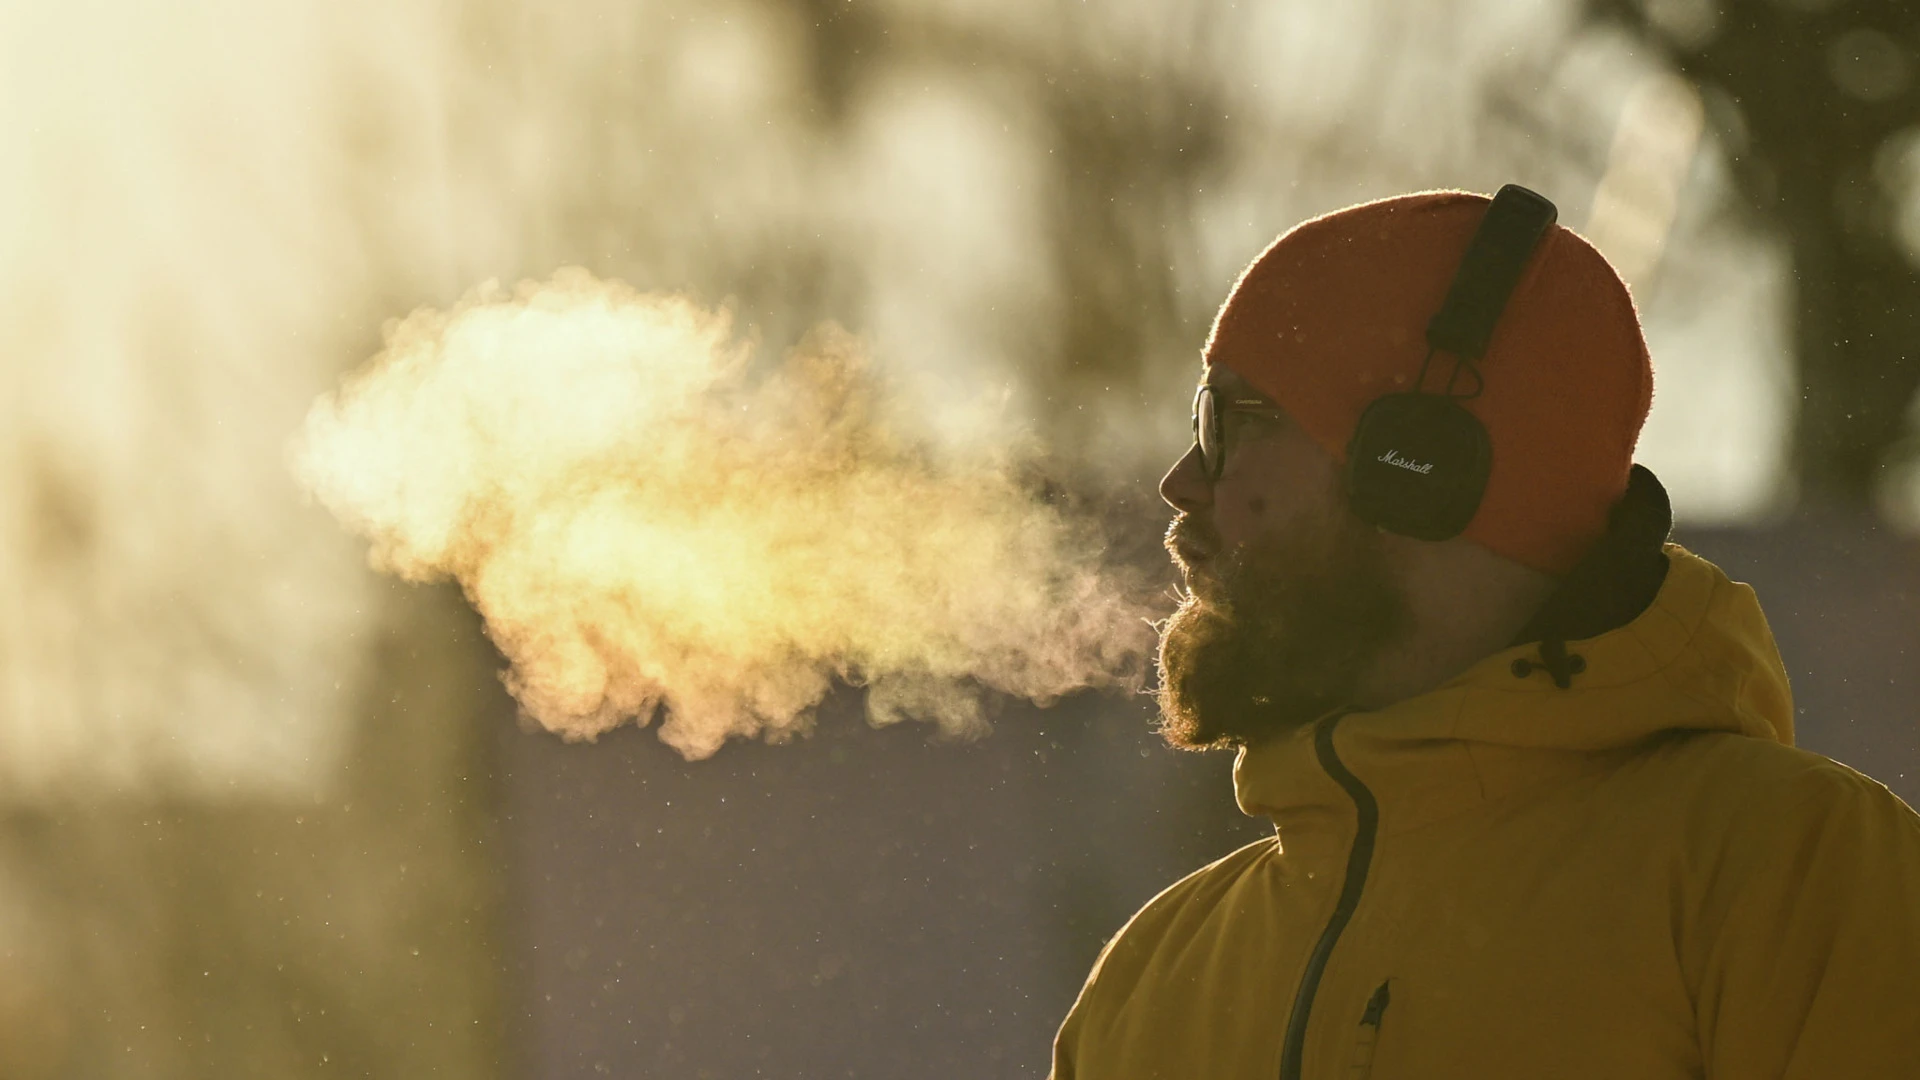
[(1637, 877)]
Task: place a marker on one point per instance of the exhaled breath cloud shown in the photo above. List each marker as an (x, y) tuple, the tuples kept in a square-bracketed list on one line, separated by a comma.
[(648, 522)]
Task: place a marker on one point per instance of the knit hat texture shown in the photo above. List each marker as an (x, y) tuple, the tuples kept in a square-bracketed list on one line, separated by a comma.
[(1334, 313)]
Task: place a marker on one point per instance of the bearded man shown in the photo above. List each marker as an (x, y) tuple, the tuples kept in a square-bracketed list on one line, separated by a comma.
[(1537, 807)]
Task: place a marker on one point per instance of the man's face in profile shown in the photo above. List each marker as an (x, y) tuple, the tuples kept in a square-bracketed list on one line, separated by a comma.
[(1289, 601)]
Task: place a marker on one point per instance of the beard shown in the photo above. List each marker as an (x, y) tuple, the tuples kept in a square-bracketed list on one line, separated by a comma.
[(1275, 634)]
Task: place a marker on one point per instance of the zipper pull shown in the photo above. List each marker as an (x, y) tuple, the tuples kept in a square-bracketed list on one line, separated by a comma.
[(1363, 1047), (1376, 1007)]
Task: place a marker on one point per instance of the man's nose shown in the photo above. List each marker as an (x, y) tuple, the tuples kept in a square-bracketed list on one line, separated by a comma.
[(1186, 487)]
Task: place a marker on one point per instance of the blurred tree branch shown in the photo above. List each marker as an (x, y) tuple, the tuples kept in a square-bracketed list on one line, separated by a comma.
[(1130, 146), (1811, 97)]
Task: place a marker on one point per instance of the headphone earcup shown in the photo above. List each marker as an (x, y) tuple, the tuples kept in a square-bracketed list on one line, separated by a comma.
[(1418, 465)]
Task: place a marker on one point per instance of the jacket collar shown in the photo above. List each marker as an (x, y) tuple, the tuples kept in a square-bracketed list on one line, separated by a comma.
[(1670, 645)]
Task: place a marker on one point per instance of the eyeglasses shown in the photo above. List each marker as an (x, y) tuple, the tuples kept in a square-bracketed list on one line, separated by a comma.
[(1209, 424)]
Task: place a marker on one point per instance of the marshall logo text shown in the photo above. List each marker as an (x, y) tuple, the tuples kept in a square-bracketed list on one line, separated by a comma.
[(1393, 458)]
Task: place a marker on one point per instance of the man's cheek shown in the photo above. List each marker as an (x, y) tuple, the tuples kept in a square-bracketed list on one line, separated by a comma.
[(1243, 519)]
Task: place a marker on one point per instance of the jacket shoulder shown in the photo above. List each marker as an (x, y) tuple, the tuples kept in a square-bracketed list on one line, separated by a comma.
[(1191, 899), (1769, 783), (1802, 925), (1181, 910), (1746, 820)]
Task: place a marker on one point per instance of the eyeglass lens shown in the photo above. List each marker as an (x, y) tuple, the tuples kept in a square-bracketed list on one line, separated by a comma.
[(1206, 431)]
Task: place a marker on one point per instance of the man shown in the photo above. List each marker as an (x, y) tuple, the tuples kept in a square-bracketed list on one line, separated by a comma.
[(1536, 804)]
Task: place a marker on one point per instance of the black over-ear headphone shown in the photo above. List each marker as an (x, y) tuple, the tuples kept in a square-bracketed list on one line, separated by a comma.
[(1418, 462)]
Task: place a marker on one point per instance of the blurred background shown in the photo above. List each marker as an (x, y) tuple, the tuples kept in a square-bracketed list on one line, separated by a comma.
[(263, 813)]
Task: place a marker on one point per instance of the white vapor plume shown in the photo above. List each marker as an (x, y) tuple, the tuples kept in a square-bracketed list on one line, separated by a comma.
[(648, 524)]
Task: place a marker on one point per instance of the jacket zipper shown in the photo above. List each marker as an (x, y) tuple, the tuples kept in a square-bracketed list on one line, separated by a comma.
[(1359, 861)]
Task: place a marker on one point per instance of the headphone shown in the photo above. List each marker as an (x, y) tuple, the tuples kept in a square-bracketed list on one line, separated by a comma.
[(1418, 462)]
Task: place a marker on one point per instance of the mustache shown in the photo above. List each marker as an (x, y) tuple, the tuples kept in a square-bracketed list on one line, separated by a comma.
[(1192, 541)]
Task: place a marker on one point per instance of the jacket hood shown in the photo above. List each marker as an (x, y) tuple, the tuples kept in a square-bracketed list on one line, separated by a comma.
[(1699, 657)]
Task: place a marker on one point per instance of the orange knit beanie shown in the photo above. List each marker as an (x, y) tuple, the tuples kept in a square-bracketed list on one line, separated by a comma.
[(1334, 315)]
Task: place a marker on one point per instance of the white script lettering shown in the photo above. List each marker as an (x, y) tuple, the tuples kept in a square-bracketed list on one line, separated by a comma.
[(1392, 457)]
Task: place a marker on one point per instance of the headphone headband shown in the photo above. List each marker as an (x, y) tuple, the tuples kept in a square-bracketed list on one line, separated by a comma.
[(1489, 271)]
